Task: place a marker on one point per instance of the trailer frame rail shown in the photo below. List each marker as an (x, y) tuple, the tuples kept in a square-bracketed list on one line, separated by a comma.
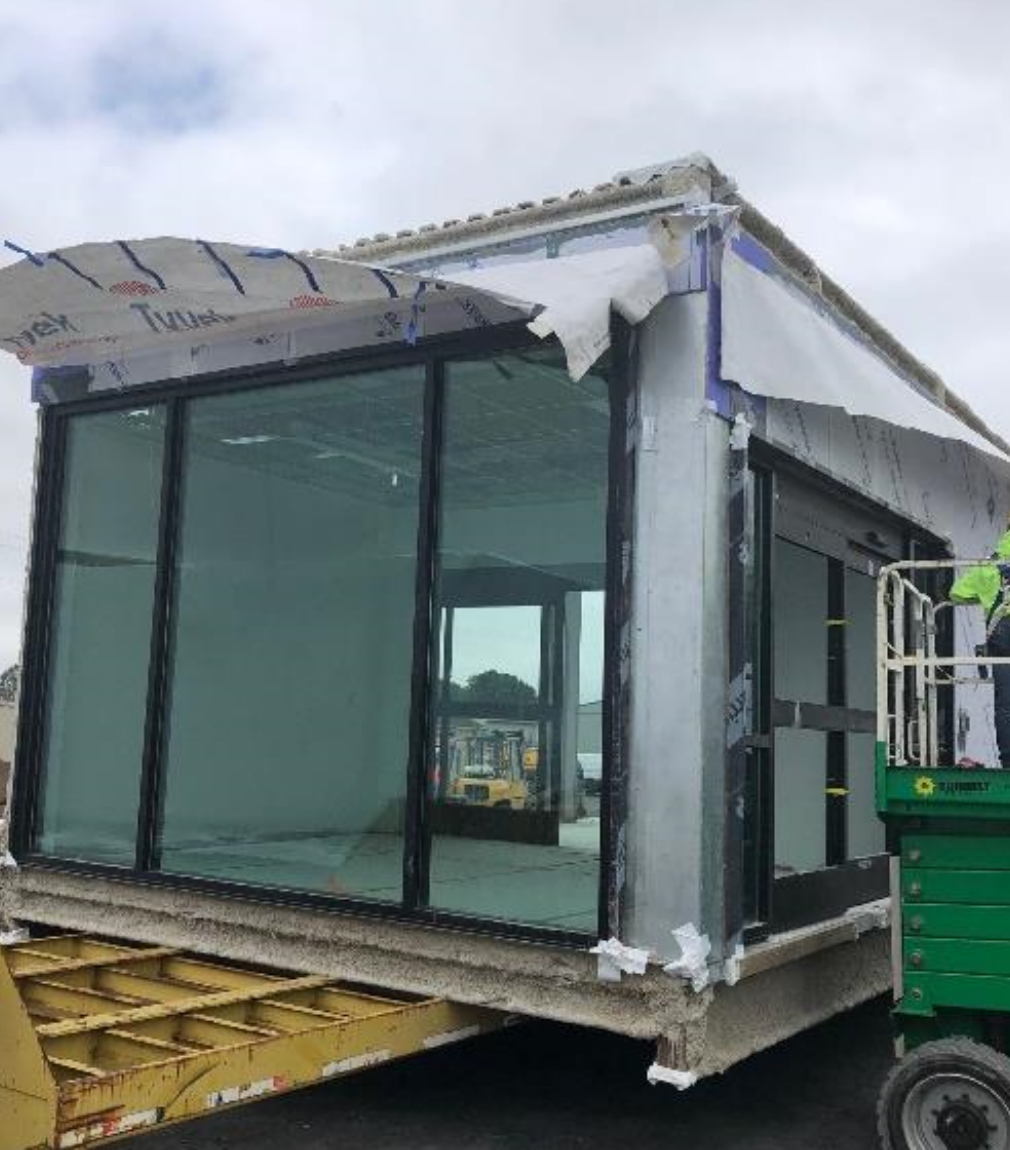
[(102, 1039)]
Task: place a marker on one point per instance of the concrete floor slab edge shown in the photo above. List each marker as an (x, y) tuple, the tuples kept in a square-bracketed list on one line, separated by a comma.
[(706, 1032)]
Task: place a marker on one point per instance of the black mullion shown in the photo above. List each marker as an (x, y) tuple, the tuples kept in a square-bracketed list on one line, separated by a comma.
[(445, 704), (415, 847), (765, 662), (559, 701), (621, 462), (157, 681), (755, 648), (836, 772), (36, 642), (547, 758)]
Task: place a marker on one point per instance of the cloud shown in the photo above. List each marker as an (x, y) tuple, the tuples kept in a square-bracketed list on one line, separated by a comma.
[(142, 84), (872, 133)]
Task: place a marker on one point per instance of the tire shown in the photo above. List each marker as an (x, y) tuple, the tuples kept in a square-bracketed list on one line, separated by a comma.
[(953, 1094)]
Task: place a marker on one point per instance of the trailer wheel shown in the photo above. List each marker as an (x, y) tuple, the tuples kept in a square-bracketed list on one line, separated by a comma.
[(948, 1095)]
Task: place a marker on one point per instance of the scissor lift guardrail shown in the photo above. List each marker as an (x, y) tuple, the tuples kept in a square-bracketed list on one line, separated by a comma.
[(100, 1040), (910, 671)]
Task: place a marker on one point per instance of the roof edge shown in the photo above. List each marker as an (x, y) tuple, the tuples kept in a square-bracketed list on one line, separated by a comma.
[(694, 178), (796, 260), (624, 193)]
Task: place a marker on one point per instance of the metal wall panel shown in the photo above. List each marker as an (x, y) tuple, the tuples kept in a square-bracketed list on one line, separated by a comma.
[(678, 635)]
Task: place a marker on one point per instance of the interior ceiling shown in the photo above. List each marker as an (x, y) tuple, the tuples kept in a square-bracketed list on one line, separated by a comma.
[(518, 431)]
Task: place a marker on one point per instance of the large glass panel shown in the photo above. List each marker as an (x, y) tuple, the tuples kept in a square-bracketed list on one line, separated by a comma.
[(290, 684), (800, 590), (93, 742), (861, 640), (800, 772), (865, 830), (867, 835), (517, 751)]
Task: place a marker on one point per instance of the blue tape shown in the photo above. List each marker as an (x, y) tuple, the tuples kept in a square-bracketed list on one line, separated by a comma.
[(77, 271), (131, 255), (36, 260), (279, 253), (386, 282), (415, 313), (222, 265)]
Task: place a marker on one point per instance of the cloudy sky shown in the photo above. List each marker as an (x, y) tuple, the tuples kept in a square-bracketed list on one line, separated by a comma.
[(876, 134)]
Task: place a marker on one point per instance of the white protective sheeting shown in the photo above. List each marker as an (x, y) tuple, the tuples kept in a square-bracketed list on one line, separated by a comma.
[(99, 304), (579, 292), (776, 343)]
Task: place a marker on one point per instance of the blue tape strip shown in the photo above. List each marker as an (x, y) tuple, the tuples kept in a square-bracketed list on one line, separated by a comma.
[(222, 265), (415, 312), (131, 255), (279, 253), (36, 260), (386, 282), (77, 271)]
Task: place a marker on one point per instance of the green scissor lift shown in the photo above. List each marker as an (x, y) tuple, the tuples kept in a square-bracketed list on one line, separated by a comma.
[(949, 836)]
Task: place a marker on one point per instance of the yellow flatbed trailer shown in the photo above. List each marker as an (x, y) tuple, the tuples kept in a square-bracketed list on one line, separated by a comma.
[(100, 1040)]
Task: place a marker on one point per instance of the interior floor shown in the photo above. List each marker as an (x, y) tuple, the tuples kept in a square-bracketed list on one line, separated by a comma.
[(556, 886)]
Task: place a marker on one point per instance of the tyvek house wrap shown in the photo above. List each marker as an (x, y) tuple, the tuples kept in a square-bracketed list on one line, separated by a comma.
[(104, 305), (107, 306)]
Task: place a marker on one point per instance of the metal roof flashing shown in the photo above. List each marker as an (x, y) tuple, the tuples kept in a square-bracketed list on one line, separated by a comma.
[(654, 188), (662, 187)]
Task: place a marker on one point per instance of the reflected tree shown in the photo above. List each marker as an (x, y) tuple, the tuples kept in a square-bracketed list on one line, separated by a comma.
[(498, 687), (9, 684)]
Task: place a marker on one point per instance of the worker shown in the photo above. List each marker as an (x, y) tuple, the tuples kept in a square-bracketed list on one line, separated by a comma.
[(989, 585)]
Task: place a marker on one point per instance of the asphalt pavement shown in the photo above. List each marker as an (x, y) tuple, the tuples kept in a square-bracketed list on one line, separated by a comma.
[(563, 1088)]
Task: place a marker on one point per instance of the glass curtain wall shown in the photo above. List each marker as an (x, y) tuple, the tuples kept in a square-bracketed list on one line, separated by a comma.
[(103, 600), (293, 672), (288, 707), (514, 816)]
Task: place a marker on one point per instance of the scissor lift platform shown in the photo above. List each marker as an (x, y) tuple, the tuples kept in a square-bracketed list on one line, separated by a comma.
[(100, 1039), (949, 837)]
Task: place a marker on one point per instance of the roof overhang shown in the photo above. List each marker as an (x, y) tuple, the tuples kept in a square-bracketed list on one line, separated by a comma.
[(155, 304)]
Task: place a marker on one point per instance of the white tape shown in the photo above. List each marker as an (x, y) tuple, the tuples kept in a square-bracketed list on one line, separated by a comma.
[(450, 1036), (739, 437), (107, 1129), (356, 1062), (870, 916), (693, 962), (233, 1094), (681, 1079), (614, 958), (731, 968)]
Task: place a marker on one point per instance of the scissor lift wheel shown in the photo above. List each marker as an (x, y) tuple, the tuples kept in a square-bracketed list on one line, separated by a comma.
[(99, 1040), (953, 1094)]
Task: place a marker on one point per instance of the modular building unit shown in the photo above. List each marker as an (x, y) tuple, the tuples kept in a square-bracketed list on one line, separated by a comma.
[(377, 636)]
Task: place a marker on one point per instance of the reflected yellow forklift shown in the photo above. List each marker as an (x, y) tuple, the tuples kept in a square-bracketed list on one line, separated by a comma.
[(489, 766)]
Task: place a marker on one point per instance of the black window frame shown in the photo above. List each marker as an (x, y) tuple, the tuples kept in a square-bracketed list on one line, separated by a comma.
[(432, 353)]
